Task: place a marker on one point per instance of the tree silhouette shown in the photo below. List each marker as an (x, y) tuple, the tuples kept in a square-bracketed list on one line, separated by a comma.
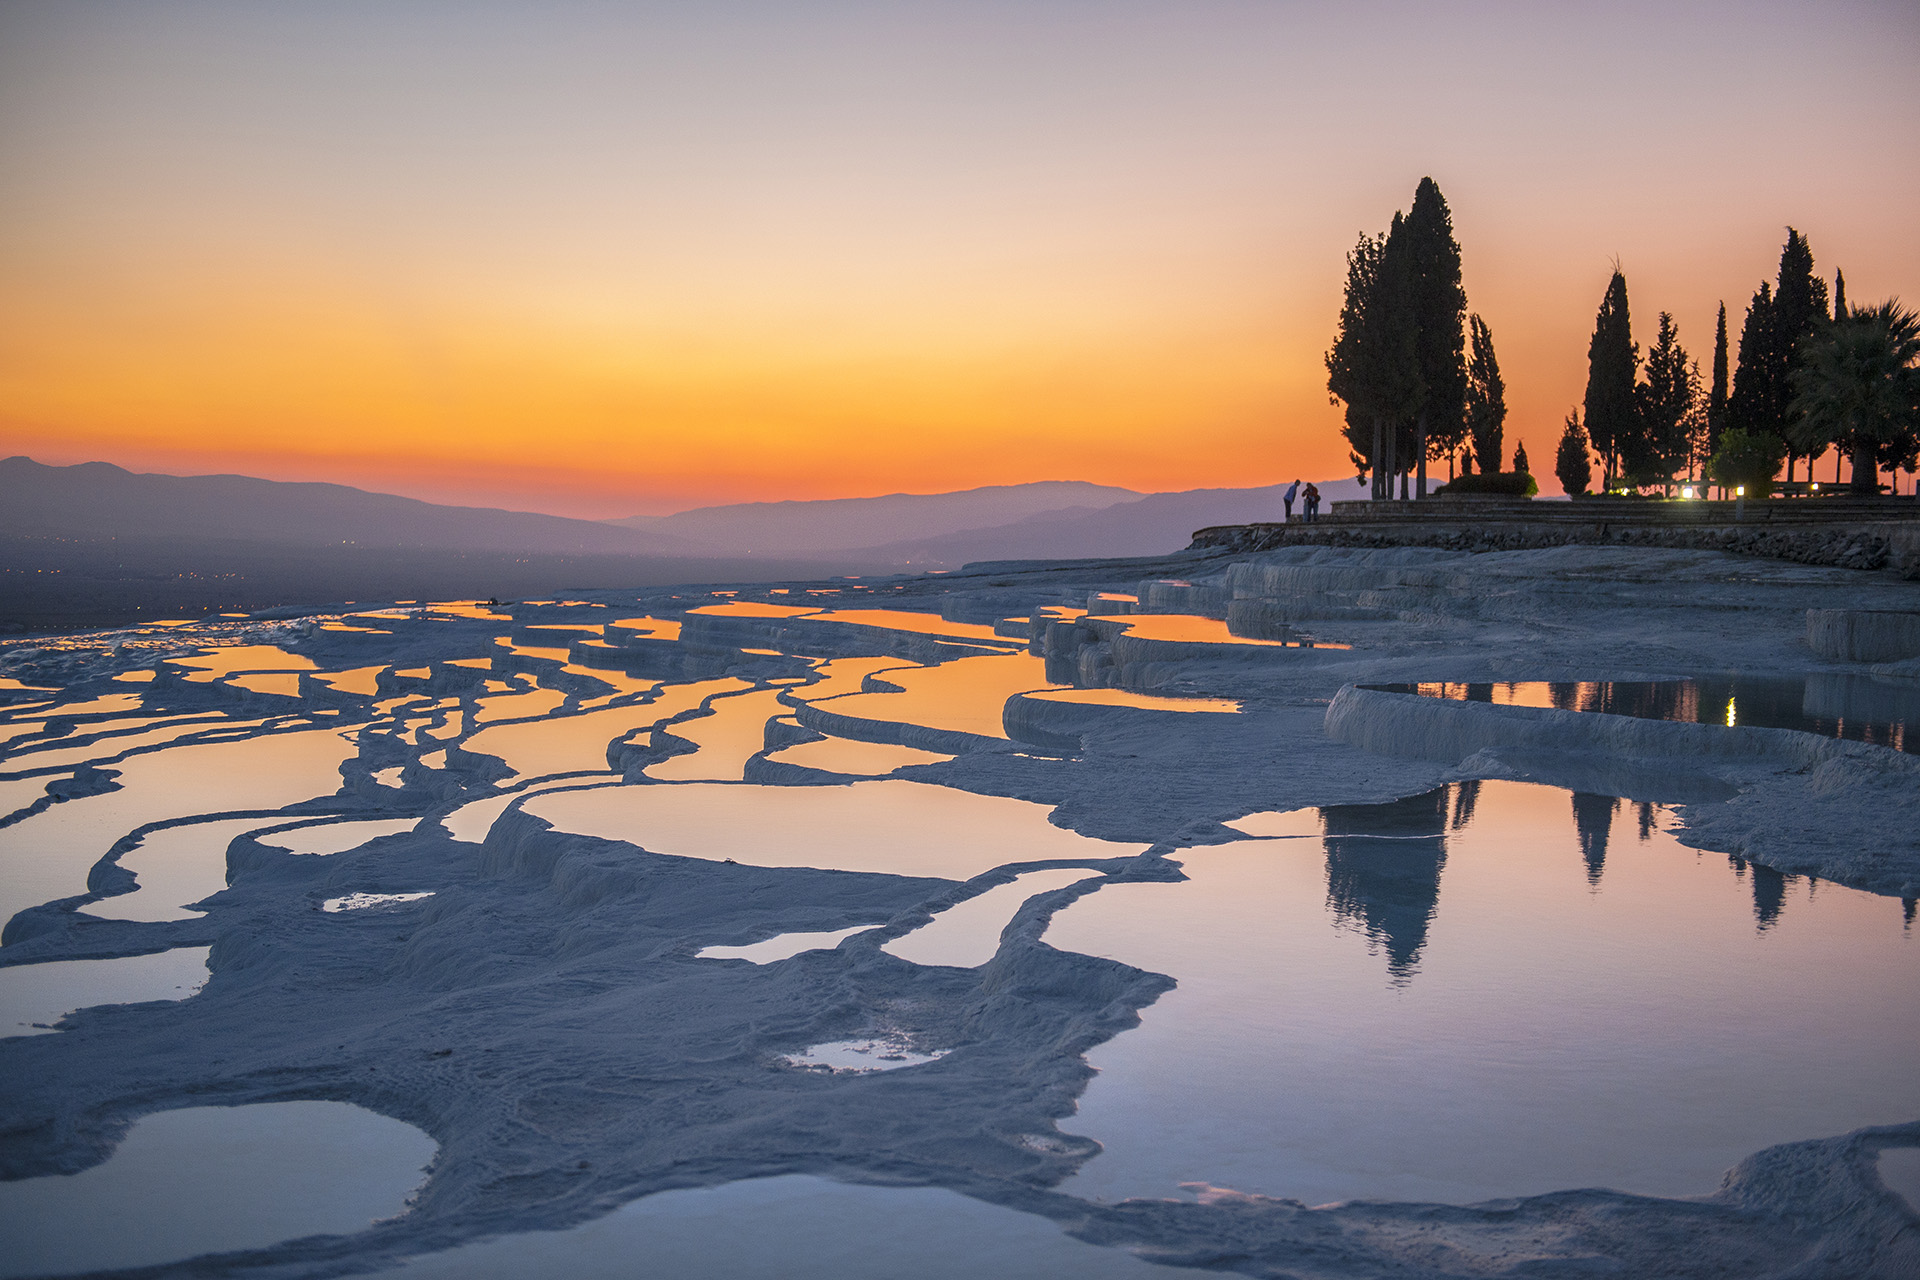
[(1716, 421), (1570, 464), (1371, 365), (1861, 385), (1668, 404), (1439, 313), (1612, 359), (1486, 396)]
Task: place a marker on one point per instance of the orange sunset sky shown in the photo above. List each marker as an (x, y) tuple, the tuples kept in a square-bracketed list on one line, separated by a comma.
[(606, 259)]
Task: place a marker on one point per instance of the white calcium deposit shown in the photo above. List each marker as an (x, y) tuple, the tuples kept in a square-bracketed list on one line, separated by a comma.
[(621, 927)]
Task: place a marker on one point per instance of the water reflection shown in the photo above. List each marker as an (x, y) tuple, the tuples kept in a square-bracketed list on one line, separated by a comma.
[(1383, 872), (1556, 1034), (1592, 823), (1858, 708), (207, 1179)]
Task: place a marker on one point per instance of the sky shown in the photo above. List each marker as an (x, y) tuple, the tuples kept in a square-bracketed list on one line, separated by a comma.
[(611, 259)]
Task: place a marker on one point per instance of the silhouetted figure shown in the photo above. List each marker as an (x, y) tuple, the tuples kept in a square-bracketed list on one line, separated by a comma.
[(1313, 502), (1769, 894), (1383, 872), (1286, 499), (1593, 821)]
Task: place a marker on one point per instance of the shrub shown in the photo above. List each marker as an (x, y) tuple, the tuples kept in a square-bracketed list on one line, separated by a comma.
[(1510, 484)]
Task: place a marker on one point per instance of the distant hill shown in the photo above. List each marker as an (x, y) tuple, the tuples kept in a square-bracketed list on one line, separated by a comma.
[(1151, 525), (97, 500), (840, 524)]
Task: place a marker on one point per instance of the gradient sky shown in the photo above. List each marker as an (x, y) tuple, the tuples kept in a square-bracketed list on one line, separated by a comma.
[(602, 259)]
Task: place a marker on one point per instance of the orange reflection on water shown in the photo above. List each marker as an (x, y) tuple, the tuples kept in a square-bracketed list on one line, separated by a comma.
[(735, 731), (470, 609), (1192, 629), (750, 609), (228, 659), (651, 628), (966, 695), (1144, 701), (845, 755), (929, 624)]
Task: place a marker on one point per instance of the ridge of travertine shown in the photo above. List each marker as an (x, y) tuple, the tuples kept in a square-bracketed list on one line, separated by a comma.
[(543, 1017)]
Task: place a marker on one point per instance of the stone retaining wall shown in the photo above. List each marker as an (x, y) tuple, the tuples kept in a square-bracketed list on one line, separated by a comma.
[(1886, 544)]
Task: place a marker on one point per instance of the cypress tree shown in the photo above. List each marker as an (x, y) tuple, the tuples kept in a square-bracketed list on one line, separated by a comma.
[(1521, 467), (1612, 359), (1570, 463), (1839, 296), (1439, 309), (1717, 398), (1486, 397), (1371, 365), (1666, 401), (1747, 406), (1799, 308)]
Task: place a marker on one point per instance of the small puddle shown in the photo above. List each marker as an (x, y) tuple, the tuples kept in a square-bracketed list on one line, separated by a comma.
[(174, 866), (1142, 701), (1191, 629), (736, 731), (967, 935), (888, 825), (211, 1180), (863, 1056), (336, 837), (35, 996), (783, 946), (224, 661), (967, 695), (1855, 707), (862, 759)]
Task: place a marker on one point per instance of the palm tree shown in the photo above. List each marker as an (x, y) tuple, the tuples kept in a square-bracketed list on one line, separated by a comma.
[(1860, 386)]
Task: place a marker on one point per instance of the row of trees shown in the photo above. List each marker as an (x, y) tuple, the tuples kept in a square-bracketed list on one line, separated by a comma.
[(1420, 381), (1808, 378)]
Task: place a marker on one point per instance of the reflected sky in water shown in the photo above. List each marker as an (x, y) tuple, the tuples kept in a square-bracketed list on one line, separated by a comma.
[(1488, 990)]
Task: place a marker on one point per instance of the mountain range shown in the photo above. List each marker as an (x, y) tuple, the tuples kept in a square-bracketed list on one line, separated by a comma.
[(95, 544)]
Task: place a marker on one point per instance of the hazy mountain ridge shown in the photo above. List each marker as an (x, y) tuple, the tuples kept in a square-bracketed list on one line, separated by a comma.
[(97, 500), (842, 524)]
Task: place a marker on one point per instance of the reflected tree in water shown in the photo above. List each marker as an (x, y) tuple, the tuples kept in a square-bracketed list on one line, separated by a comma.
[(1593, 821), (1383, 872)]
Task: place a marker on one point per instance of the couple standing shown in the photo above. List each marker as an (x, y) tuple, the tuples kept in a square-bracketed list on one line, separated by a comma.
[(1312, 496)]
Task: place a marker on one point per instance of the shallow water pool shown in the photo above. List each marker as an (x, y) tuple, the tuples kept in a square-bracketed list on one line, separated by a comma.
[(212, 1179), (1486, 991)]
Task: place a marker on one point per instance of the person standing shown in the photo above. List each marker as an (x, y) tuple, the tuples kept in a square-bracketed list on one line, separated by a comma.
[(1286, 499), (1313, 502)]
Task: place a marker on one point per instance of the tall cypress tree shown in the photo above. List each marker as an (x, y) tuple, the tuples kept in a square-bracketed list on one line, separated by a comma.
[(1717, 398), (1799, 309), (1486, 397), (1754, 396), (1839, 296), (1612, 360), (1439, 307), (1371, 365)]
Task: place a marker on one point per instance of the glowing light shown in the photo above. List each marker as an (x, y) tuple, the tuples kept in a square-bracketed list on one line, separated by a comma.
[(1730, 715)]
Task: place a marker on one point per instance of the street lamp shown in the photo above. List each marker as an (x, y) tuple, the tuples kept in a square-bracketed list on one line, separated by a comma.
[(1739, 502)]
